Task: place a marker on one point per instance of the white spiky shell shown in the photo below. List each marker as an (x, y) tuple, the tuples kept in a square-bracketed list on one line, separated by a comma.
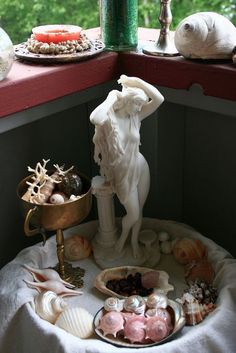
[(77, 321), (48, 305), (205, 35)]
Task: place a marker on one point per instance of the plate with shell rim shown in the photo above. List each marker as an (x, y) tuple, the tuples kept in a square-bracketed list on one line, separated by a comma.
[(122, 272), (21, 52), (179, 323)]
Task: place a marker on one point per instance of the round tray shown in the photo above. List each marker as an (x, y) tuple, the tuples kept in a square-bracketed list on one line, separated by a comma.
[(21, 52)]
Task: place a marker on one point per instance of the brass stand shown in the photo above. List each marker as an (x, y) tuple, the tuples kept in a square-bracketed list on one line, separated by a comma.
[(164, 45), (68, 273)]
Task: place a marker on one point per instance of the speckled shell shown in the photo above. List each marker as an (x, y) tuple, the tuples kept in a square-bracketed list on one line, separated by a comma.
[(77, 321), (135, 304), (135, 329), (113, 304), (205, 35), (186, 250), (77, 248), (111, 323), (48, 305)]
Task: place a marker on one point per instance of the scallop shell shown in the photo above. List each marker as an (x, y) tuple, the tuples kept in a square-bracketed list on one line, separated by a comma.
[(111, 323), (122, 272), (205, 35), (135, 304), (134, 329), (77, 248), (113, 304), (48, 305), (186, 250), (77, 321)]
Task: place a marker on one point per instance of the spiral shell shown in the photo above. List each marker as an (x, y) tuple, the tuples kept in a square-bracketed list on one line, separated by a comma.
[(186, 250), (48, 305), (155, 301), (77, 321), (205, 35), (77, 248), (113, 304), (135, 304), (111, 323)]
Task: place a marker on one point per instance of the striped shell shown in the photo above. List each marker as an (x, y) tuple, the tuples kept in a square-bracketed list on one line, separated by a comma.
[(77, 248), (205, 35), (186, 250), (48, 305), (77, 321)]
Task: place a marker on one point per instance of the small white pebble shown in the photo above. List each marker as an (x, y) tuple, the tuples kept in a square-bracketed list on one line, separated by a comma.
[(163, 236), (166, 247)]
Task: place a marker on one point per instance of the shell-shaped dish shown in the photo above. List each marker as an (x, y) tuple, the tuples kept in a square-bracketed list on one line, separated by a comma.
[(48, 305), (77, 321), (178, 321), (122, 272), (205, 35)]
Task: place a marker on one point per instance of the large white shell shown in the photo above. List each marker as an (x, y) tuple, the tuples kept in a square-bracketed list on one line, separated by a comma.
[(122, 272), (48, 305), (205, 35), (77, 321)]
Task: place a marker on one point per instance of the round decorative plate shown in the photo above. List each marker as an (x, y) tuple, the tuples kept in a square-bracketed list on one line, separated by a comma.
[(178, 321), (21, 52)]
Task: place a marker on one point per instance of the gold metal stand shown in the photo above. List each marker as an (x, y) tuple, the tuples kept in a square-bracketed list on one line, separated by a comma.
[(165, 45)]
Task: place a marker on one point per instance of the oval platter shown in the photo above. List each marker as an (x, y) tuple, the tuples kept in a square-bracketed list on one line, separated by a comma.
[(178, 321), (22, 53)]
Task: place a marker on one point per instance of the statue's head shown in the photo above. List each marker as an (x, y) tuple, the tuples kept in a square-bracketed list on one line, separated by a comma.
[(133, 99)]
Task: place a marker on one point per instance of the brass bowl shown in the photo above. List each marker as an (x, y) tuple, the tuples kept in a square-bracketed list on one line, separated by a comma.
[(53, 217)]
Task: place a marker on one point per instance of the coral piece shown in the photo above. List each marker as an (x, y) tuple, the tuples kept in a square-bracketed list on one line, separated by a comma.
[(186, 250), (77, 248), (77, 321), (48, 305), (201, 270), (135, 329), (111, 323), (205, 35)]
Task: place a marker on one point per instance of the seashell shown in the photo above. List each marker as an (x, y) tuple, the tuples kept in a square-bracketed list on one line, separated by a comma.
[(135, 304), (71, 183), (164, 315), (122, 272), (166, 247), (113, 304), (150, 279), (163, 236), (77, 248), (134, 329), (48, 305), (205, 35), (202, 270), (77, 321), (54, 286), (57, 198), (46, 274), (111, 323), (156, 329), (186, 250), (155, 301)]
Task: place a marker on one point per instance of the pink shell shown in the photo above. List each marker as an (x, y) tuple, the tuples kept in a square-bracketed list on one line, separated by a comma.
[(77, 248), (134, 329), (156, 329), (186, 250), (202, 270), (111, 323), (150, 279)]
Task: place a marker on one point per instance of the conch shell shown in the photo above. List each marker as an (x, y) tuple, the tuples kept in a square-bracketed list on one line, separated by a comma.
[(77, 248), (77, 321), (54, 286), (205, 35), (186, 250), (48, 305)]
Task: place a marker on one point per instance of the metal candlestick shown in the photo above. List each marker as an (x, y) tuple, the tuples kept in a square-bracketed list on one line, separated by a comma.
[(164, 45)]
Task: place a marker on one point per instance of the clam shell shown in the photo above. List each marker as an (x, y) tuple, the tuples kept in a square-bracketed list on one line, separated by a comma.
[(77, 321), (123, 271), (48, 305), (205, 35), (77, 248)]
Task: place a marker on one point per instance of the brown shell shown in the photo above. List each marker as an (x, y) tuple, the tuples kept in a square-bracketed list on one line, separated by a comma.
[(186, 250), (202, 270)]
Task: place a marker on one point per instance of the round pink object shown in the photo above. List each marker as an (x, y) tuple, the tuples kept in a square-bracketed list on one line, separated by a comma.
[(156, 329), (111, 323), (134, 329)]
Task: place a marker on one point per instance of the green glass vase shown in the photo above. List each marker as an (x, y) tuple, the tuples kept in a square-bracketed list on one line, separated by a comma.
[(119, 24)]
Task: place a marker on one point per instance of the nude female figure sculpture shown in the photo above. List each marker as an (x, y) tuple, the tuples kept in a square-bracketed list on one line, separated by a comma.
[(117, 124)]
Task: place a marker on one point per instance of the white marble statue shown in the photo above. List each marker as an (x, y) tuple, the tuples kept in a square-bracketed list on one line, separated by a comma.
[(117, 124)]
